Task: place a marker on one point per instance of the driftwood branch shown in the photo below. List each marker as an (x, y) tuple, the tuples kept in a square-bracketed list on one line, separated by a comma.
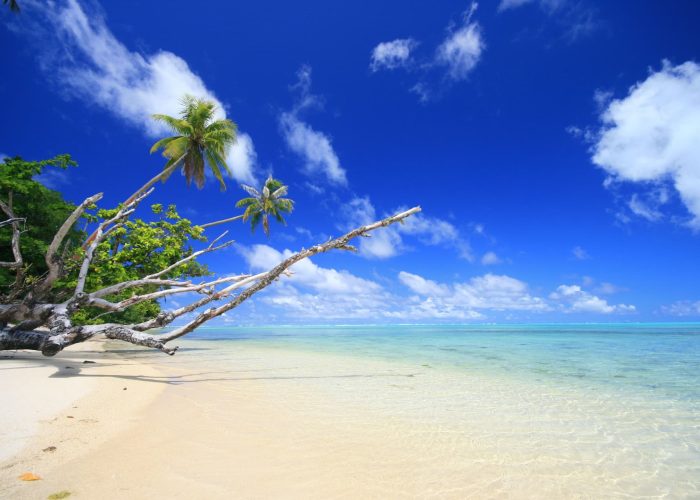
[(53, 259), (103, 230), (228, 292), (14, 221), (222, 221), (274, 273)]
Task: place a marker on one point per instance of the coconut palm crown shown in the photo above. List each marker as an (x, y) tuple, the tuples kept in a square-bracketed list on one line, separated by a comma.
[(263, 204), (200, 141)]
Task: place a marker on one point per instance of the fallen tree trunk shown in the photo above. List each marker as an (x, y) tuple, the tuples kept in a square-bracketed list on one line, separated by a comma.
[(29, 323)]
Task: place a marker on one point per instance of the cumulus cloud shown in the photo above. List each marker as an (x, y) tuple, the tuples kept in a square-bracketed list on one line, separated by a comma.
[(314, 147), (462, 48), (574, 299), (649, 137), (388, 242), (487, 292), (314, 292), (392, 55), (92, 64)]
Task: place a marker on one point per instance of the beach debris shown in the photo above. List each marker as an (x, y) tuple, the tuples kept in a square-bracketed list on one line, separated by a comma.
[(29, 476), (59, 495), (124, 389), (88, 361), (70, 416), (49, 448)]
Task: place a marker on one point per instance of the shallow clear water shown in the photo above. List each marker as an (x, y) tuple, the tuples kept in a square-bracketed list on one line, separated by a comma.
[(516, 410), (659, 360)]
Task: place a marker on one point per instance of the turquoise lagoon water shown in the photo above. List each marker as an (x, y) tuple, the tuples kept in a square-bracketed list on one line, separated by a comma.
[(521, 411), (660, 360)]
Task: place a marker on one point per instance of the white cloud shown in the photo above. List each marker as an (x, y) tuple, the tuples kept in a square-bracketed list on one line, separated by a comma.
[(243, 160), (389, 241), (462, 48), (314, 147), (642, 209), (490, 259), (487, 292), (575, 299), (580, 253), (392, 55), (93, 64), (682, 308), (422, 286), (316, 292), (650, 136)]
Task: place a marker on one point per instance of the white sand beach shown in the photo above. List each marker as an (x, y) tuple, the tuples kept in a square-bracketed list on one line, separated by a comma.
[(228, 420)]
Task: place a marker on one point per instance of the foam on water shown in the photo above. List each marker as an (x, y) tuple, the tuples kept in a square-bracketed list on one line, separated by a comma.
[(519, 411)]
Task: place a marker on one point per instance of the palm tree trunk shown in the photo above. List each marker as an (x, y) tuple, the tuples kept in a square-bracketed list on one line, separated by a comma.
[(142, 190), (222, 221)]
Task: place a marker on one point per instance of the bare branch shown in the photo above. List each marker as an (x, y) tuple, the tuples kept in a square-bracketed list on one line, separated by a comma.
[(141, 193), (112, 289), (208, 288), (222, 221), (280, 268), (53, 260), (167, 317), (16, 253), (100, 234), (210, 248)]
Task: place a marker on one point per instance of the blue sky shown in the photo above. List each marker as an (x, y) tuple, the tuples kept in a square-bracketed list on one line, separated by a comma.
[(554, 145)]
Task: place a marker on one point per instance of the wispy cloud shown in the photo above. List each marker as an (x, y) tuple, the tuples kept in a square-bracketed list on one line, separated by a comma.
[(682, 308), (453, 60), (580, 253), (461, 50), (392, 55), (314, 147), (649, 138), (78, 49)]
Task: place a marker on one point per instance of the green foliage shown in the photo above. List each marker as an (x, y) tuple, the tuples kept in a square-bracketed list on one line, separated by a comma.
[(200, 141), (135, 251), (268, 202), (45, 211)]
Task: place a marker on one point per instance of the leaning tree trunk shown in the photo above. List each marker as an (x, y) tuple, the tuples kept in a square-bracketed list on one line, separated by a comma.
[(29, 323)]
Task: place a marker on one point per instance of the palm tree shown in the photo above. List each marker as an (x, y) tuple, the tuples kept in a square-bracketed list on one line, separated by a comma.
[(14, 6), (200, 141), (262, 204)]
